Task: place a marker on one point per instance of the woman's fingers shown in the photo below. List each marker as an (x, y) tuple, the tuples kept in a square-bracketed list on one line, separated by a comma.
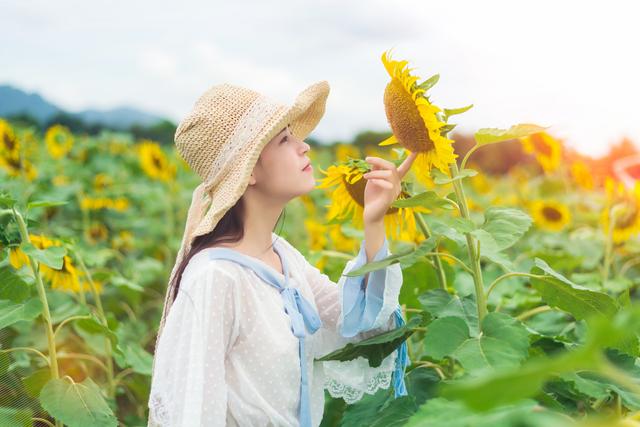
[(382, 183), (381, 163), (379, 173), (406, 164)]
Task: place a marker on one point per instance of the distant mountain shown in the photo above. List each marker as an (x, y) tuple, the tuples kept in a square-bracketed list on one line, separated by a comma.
[(14, 101)]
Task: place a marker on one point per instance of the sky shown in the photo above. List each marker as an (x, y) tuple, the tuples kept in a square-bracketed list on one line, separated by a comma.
[(570, 65)]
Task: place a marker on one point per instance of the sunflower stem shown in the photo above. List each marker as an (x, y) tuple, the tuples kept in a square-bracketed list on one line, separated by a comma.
[(609, 245), (46, 314), (481, 299), (436, 258), (103, 319)]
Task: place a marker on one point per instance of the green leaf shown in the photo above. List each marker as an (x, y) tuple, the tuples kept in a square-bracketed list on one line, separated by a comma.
[(429, 83), (51, 256), (440, 412), (378, 347), (440, 303), (427, 199), (93, 325), (504, 342), (407, 258), (12, 286), (559, 292), (15, 417), (77, 404), (34, 382), (441, 178), (492, 135), (506, 225), (138, 359), (46, 203), (490, 249), (448, 112), (11, 312)]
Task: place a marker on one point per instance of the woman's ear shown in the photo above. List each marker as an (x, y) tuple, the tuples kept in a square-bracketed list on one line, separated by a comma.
[(252, 179)]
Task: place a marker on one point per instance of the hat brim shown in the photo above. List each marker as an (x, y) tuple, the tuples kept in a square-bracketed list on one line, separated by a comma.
[(303, 116)]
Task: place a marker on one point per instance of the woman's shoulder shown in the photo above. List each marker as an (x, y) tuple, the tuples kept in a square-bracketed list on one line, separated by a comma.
[(202, 266)]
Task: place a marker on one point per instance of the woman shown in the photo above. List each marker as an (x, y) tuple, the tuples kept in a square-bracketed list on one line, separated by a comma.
[(245, 304)]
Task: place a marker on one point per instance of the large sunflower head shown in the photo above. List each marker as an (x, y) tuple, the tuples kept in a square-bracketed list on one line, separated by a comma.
[(18, 166), (625, 205), (414, 121), (550, 215), (546, 149), (154, 162), (347, 198)]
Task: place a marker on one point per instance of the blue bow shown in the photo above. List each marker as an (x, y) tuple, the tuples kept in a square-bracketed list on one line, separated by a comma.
[(299, 310)]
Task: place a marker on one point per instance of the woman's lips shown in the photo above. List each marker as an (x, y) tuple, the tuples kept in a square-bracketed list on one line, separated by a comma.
[(309, 168)]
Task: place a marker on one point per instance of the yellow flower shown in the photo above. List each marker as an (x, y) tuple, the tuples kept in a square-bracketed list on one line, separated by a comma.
[(9, 144), (317, 233), (347, 199), (98, 232), (627, 217), (59, 141), (154, 162), (66, 278), (581, 175), (102, 181), (549, 214), (60, 180), (18, 167), (414, 121), (346, 151), (96, 203), (546, 149), (123, 241)]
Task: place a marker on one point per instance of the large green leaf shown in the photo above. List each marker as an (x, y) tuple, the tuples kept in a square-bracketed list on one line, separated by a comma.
[(512, 384), (11, 312), (560, 292), (51, 256), (490, 249), (504, 342), (375, 349), (13, 286), (77, 404), (492, 135), (440, 412), (440, 303), (440, 178), (506, 225)]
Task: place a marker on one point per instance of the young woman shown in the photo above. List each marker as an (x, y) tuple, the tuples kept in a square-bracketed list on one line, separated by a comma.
[(249, 314)]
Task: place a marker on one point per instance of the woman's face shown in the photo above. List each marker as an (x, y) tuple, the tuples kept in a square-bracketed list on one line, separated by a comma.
[(280, 170)]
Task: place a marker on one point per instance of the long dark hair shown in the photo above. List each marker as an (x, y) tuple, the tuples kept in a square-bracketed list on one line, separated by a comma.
[(229, 229)]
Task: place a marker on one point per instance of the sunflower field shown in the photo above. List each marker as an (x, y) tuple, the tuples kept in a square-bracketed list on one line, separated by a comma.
[(519, 290)]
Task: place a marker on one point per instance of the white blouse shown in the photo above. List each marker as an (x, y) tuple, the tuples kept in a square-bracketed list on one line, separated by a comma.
[(227, 356)]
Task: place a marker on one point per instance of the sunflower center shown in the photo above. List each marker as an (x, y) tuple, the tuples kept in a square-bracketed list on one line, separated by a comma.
[(552, 214), (157, 162), (540, 145), (627, 217), (356, 191), (405, 119), (9, 142)]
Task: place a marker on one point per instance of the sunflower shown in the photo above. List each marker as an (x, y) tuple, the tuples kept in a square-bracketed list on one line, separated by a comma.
[(546, 149), (97, 203), (123, 241), (154, 162), (317, 233), (414, 121), (347, 199), (102, 182), (65, 278), (9, 145), (581, 175), (346, 151), (60, 180), (18, 167), (550, 215), (98, 232), (59, 141), (627, 221)]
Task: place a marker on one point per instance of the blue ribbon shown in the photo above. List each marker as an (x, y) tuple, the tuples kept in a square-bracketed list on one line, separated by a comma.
[(402, 361), (299, 310)]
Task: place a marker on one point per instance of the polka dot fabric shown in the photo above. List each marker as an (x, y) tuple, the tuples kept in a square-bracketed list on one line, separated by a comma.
[(227, 356)]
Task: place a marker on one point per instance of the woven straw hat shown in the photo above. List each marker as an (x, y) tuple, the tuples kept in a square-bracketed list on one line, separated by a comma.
[(221, 139)]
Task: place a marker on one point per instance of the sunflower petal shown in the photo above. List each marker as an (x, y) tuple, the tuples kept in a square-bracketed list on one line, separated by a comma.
[(389, 141)]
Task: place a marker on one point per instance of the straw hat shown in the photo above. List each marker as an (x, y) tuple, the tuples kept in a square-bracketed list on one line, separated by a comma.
[(221, 139)]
